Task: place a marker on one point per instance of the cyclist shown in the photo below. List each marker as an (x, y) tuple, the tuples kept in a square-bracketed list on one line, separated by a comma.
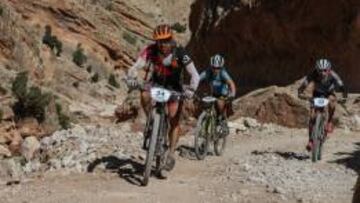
[(323, 81), (167, 61), (221, 85)]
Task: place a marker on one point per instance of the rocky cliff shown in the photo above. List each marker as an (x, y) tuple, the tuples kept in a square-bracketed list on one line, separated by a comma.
[(275, 42), (103, 36)]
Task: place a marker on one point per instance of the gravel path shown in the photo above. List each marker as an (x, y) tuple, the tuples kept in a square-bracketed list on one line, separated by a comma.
[(261, 164)]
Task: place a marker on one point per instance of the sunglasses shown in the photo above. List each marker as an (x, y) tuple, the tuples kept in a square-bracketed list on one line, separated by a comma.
[(323, 71), (164, 42)]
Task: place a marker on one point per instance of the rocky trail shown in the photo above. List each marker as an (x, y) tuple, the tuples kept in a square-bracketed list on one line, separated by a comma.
[(98, 161), (263, 163)]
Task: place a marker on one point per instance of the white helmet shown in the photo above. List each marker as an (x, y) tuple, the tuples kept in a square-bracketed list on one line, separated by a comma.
[(217, 61), (323, 64)]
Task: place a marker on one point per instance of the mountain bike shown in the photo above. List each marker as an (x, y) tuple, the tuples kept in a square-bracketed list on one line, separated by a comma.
[(318, 133), (209, 130), (156, 131)]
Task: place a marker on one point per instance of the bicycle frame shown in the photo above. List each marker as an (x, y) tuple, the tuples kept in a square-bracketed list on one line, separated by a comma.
[(210, 121), (158, 123), (160, 108), (318, 129)]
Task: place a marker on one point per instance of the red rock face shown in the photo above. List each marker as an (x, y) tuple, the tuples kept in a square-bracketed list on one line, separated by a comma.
[(273, 105), (277, 42)]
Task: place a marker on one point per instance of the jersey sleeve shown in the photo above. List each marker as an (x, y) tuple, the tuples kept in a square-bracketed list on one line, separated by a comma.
[(145, 52), (337, 79), (307, 79), (203, 75), (225, 75), (184, 57)]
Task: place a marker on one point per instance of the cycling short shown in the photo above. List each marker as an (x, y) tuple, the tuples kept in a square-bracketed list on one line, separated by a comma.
[(221, 97), (323, 94)]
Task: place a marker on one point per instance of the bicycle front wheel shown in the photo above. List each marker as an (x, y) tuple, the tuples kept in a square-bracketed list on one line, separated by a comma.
[(202, 136), (317, 136), (151, 150)]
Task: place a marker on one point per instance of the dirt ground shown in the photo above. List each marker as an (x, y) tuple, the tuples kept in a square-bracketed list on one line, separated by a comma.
[(257, 166)]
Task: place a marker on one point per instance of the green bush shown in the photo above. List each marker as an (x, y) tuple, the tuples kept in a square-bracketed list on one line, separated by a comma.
[(79, 58), (113, 82), (178, 27), (1, 115), (52, 41), (129, 38), (89, 69), (76, 84), (95, 78), (19, 85), (58, 46), (3, 90), (31, 102), (1, 11), (64, 120), (109, 6)]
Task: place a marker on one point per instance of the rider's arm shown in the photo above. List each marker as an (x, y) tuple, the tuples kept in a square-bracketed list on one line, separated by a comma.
[(232, 87), (306, 81), (303, 85), (340, 84), (139, 64), (190, 68), (230, 82), (194, 81), (203, 76), (344, 91)]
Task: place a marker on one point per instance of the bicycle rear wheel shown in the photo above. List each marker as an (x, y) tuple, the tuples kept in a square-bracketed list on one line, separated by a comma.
[(220, 145), (221, 137)]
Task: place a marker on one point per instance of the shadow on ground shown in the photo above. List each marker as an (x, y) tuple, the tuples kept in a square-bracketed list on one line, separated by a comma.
[(284, 155), (188, 152), (128, 169), (351, 159)]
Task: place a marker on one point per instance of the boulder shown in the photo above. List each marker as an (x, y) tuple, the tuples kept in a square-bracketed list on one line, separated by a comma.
[(129, 109), (356, 195), (251, 123), (5, 127), (8, 113), (29, 127), (10, 170), (8, 132), (30, 147), (4, 151), (274, 104), (16, 141)]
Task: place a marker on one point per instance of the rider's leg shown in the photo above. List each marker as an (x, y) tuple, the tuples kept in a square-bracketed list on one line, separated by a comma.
[(146, 105), (220, 108), (331, 110), (311, 124), (174, 111), (146, 101), (311, 89)]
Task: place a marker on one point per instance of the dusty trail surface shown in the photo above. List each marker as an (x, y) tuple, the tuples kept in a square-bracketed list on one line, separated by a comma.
[(258, 166)]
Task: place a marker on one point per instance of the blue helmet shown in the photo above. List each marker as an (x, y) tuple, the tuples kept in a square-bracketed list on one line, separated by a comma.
[(323, 64), (217, 61)]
